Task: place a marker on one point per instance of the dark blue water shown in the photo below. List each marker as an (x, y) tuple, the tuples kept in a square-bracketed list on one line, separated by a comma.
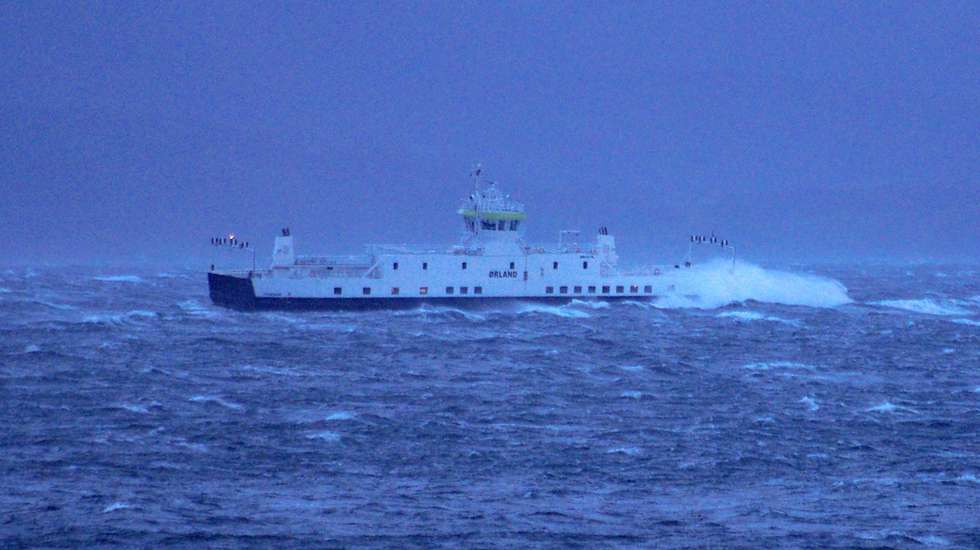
[(136, 413)]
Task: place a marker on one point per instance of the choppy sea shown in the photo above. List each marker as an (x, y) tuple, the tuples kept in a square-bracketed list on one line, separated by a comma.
[(815, 407)]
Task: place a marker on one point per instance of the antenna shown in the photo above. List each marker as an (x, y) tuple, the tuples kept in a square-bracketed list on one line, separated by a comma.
[(475, 174)]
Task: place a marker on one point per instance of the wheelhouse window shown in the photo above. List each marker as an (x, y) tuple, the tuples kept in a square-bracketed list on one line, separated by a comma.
[(634, 289), (423, 290), (337, 291), (488, 226), (591, 290), (478, 290), (464, 265), (425, 266), (394, 266), (578, 290), (549, 290), (394, 291), (513, 225), (563, 289), (501, 225), (366, 291), (585, 265), (619, 289), (605, 290), (449, 290), (464, 290), (554, 265), (648, 289)]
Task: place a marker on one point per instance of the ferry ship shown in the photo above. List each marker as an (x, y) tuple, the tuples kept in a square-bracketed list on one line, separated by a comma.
[(490, 264)]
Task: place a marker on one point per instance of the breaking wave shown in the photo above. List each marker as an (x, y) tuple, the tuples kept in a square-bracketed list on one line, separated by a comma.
[(754, 316), (719, 283), (560, 311), (926, 306)]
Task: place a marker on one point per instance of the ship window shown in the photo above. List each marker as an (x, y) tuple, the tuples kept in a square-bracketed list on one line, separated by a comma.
[(585, 265), (478, 290), (554, 265), (513, 225), (394, 266), (394, 291), (423, 290), (464, 290), (578, 290), (634, 289), (449, 290), (464, 265), (605, 290), (501, 225), (337, 291), (591, 290), (425, 265), (648, 289), (489, 226), (366, 291), (549, 290), (619, 289), (512, 265), (563, 289)]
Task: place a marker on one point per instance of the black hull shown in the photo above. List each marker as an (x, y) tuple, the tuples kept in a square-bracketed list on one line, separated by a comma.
[(238, 293)]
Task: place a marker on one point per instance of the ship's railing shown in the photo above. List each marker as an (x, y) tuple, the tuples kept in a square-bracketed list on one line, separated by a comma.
[(378, 249), (359, 260)]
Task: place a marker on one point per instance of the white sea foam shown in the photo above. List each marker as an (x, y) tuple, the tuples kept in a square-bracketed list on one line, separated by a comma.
[(968, 477), (926, 306), (426, 309), (52, 305), (632, 367), (591, 304), (631, 394), (560, 311), (4, 290), (888, 407), (969, 322), (326, 435), (193, 307), (339, 415), (218, 401), (632, 451), (115, 506), (810, 402), (139, 409), (119, 278), (719, 283), (755, 316), (32, 348), (769, 365), (119, 318)]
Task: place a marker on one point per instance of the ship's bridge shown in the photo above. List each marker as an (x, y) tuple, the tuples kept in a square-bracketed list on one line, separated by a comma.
[(493, 221)]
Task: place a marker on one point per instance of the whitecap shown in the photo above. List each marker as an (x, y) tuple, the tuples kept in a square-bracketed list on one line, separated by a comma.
[(768, 365), (119, 278), (32, 348), (591, 304), (119, 318), (426, 309), (632, 451), (218, 401), (810, 402), (325, 436), (754, 316), (339, 415), (4, 290), (968, 477), (719, 283), (52, 305), (968, 322), (115, 506), (193, 307), (926, 306), (553, 310), (888, 407), (631, 394), (139, 409), (632, 367)]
